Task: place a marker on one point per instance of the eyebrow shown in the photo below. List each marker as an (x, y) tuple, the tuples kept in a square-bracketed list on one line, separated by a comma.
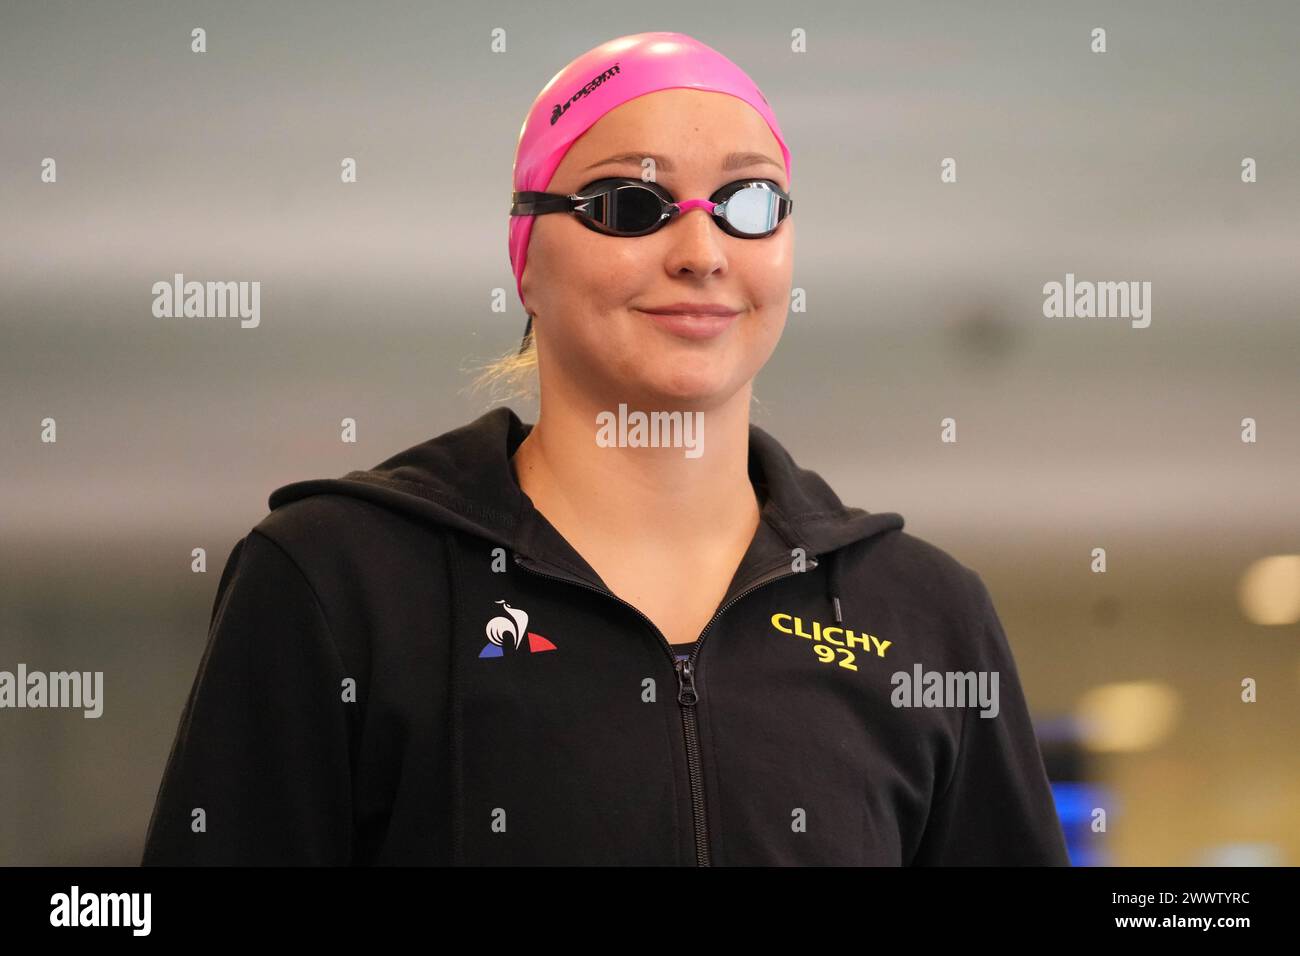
[(732, 161)]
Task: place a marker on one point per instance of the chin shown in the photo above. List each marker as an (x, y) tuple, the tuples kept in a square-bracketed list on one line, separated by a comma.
[(681, 388)]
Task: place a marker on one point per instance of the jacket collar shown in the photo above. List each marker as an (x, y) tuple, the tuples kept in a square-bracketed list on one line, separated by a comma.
[(463, 479)]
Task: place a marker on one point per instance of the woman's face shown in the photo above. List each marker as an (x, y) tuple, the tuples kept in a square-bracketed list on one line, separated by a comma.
[(589, 290)]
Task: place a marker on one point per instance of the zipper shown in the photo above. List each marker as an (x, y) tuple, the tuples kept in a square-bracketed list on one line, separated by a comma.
[(687, 694)]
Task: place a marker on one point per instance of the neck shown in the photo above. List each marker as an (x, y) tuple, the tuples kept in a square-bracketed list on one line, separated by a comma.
[(653, 496)]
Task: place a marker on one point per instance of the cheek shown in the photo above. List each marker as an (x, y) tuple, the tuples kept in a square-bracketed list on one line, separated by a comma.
[(582, 270), (766, 271)]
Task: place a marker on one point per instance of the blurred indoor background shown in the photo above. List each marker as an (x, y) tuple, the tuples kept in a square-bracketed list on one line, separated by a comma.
[(924, 301)]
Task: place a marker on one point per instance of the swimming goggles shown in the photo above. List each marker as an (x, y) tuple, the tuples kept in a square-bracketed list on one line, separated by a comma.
[(747, 208)]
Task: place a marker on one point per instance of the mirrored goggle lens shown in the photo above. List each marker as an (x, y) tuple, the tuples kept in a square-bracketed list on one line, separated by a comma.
[(627, 209), (753, 210)]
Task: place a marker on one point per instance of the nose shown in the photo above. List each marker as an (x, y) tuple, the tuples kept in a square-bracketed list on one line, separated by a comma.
[(696, 245)]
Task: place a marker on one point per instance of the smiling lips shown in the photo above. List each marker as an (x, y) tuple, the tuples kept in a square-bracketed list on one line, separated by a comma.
[(694, 320)]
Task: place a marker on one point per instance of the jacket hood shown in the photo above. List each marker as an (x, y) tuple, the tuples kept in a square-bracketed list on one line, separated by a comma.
[(464, 479)]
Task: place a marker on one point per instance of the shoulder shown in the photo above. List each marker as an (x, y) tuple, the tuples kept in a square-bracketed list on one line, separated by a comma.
[(928, 594), (907, 561), (335, 521), (319, 520), (337, 540)]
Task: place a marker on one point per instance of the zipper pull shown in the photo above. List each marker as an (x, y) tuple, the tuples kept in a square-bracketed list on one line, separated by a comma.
[(686, 683)]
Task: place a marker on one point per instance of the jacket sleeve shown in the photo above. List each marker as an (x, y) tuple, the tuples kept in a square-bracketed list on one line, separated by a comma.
[(260, 771), (997, 808)]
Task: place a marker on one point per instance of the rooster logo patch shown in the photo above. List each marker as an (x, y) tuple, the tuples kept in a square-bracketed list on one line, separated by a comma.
[(512, 627)]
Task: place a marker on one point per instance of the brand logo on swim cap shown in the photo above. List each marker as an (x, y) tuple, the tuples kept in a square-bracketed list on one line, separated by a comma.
[(561, 110)]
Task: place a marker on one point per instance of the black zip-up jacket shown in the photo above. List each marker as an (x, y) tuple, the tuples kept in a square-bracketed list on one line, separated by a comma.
[(409, 665)]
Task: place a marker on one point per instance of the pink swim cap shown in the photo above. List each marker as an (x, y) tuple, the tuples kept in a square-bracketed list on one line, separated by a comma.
[(601, 79)]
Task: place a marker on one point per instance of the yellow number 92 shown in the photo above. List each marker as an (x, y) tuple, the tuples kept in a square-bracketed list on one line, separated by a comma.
[(827, 655)]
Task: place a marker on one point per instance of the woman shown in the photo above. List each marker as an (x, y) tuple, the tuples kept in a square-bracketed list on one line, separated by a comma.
[(593, 639)]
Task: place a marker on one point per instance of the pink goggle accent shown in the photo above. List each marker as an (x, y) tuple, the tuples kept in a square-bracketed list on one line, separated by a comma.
[(686, 205)]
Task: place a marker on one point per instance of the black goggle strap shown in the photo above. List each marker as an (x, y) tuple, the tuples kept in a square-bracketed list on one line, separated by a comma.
[(529, 203), (523, 343), (532, 203)]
